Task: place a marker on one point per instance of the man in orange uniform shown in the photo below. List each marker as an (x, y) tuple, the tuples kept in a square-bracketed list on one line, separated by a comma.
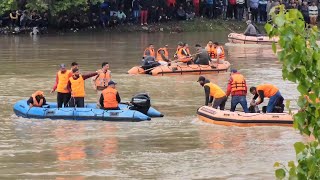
[(212, 91), (149, 51), (218, 52), (76, 87), (37, 99), (101, 80), (62, 78), (269, 91), (237, 87), (210, 49), (182, 54), (163, 55), (110, 97)]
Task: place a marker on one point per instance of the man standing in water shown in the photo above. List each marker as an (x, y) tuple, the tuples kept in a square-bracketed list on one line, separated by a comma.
[(212, 91), (100, 82)]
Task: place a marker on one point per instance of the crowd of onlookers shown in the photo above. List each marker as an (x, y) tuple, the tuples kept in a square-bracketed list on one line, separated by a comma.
[(114, 12)]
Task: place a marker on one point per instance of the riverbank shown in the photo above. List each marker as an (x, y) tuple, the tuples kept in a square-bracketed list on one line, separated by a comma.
[(196, 25)]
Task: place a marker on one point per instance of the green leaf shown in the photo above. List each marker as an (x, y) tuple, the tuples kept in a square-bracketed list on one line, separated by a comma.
[(268, 27), (299, 147), (276, 164), (291, 164), (274, 47), (280, 173), (279, 21)]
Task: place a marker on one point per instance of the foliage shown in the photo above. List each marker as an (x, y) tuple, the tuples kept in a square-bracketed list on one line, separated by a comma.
[(7, 5), (54, 6), (300, 56)]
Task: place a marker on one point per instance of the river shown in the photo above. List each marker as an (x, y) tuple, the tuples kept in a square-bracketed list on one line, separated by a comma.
[(178, 146)]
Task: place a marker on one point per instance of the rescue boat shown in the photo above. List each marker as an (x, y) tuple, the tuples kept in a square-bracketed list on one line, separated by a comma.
[(182, 69), (243, 39), (138, 110), (228, 118)]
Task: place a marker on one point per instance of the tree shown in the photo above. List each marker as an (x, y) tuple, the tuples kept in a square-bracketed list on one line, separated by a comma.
[(300, 56)]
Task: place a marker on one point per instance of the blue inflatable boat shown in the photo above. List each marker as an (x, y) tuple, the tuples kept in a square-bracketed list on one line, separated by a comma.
[(89, 112)]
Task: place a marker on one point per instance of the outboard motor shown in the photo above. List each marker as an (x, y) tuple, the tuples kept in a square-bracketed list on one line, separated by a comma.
[(141, 102)]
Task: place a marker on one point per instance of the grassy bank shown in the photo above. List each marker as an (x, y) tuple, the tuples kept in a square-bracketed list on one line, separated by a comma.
[(197, 25)]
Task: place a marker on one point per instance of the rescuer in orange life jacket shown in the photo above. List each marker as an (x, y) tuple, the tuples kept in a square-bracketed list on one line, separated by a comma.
[(110, 97), (237, 87), (37, 99), (100, 82), (76, 87), (270, 91), (63, 94), (213, 91)]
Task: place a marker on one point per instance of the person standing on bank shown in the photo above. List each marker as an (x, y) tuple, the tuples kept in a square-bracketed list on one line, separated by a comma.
[(76, 87), (110, 98), (100, 82), (213, 91), (237, 87), (63, 94)]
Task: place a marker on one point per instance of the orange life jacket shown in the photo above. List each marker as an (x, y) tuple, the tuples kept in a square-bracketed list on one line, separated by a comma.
[(63, 81), (166, 54), (110, 98), (101, 82), (221, 56), (215, 90), (182, 57), (35, 102), (152, 53), (77, 87), (211, 51), (238, 83), (268, 89)]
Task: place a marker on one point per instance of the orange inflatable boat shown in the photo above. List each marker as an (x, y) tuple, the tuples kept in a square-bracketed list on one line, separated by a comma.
[(227, 118), (242, 39), (182, 69)]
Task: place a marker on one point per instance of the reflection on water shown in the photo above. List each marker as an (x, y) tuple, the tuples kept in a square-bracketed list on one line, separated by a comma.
[(177, 146)]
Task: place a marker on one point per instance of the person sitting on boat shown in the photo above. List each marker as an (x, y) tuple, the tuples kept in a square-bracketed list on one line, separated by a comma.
[(210, 49), (110, 97), (76, 87), (237, 87), (37, 99), (213, 91), (218, 53), (100, 82), (163, 55), (182, 54), (269, 91), (148, 63), (63, 95), (202, 57), (251, 30), (149, 51)]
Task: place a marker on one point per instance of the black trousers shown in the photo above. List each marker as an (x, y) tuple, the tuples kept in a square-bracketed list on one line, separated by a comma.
[(76, 102), (63, 99)]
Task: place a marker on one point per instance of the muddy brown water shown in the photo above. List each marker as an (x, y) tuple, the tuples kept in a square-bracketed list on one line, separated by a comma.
[(178, 146)]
